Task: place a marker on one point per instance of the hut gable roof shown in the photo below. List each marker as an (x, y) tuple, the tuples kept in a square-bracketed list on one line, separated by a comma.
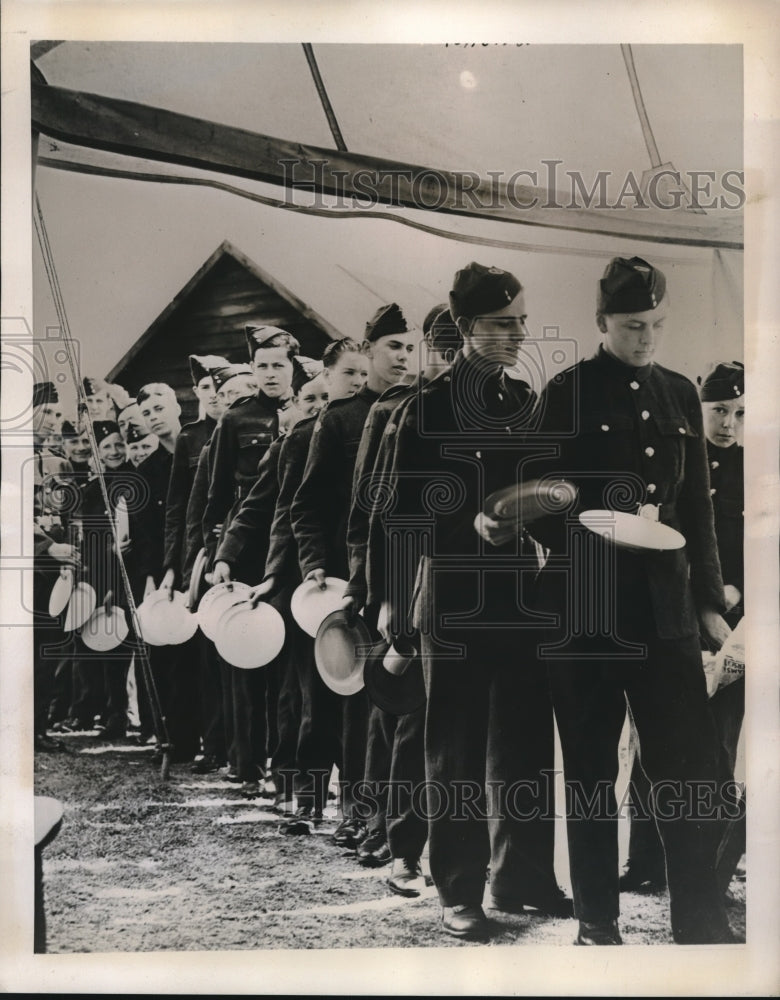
[(208, 316)]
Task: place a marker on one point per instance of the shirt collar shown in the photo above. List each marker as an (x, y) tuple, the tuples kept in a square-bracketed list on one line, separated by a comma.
[(368, 394), (620, 370)]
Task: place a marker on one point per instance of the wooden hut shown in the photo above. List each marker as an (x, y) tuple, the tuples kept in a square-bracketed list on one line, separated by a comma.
[(208, 316)]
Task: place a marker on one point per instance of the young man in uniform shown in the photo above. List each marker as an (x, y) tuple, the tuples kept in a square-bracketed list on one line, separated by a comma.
[(395, 745), (320, 511), (723, 404), (488, 726), (275, 720), (186, 453), (317, 749), (629, 435), (160, 412), (53, 549), (238, 445), (230, 382)]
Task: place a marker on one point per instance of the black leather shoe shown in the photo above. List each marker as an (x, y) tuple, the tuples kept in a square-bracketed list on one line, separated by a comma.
[(207, 764), (642, 879), (373, 851), (406, 878), (303, 823), (558, 905), (231, 775), (45, 744), (250, 790), (113, 731), (349, 833), (74, 725), (465, 921), (601, 933)]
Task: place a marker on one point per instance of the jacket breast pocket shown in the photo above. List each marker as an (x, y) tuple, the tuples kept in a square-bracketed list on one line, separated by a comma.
[(601, 460), (676, 432), (252, 445)]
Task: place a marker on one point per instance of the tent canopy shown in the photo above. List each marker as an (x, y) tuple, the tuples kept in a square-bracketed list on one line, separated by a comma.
[(127, 235)]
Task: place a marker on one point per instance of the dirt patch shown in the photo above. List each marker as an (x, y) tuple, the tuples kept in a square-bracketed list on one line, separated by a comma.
[(146, 865)]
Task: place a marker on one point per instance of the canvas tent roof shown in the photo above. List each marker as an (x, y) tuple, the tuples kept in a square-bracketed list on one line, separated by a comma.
[(491, 110)]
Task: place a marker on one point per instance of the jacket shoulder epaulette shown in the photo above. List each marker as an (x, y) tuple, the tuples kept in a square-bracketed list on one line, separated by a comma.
[(336, 404), (301, 425), (682, 380), (395, 390), (241, 401)]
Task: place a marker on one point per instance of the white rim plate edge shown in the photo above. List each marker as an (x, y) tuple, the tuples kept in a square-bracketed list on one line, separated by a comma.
[(82, 594), (340, 686), (196, 577), (612, 524), (60, 593), (184, 625), (334, 591), (223, 637), (205, 606), (118, 634)]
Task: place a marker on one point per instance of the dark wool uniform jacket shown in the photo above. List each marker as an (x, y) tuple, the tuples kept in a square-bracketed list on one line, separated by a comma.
[(727, 487), (320, 508), (627, 437), (189, 445), (240, 440), (244, 546), (446, 449), (55, 508), (99, 557), (282, 559), (193, 526), (147, 521), (364, 487)]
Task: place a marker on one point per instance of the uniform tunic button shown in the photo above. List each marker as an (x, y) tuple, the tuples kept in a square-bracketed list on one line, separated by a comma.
[(714, 465), (712, 492), (501, 397), (645, 414), (649, 452), (681, 430), (634, 385), (605, 427), (254, 440), (651, 487), (478, 454)]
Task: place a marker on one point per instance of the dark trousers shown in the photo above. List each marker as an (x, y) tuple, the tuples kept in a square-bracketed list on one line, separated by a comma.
[(115, 670), (488, 726), (51, 649), (645, 850), (173, 673), (319, 743), (407, 825), (226, 686), (284, 755), (62, 693), (250, 727), (354, 738), (212, 719), (284, 702), (668, 700), (89, 695), (380, 736)]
